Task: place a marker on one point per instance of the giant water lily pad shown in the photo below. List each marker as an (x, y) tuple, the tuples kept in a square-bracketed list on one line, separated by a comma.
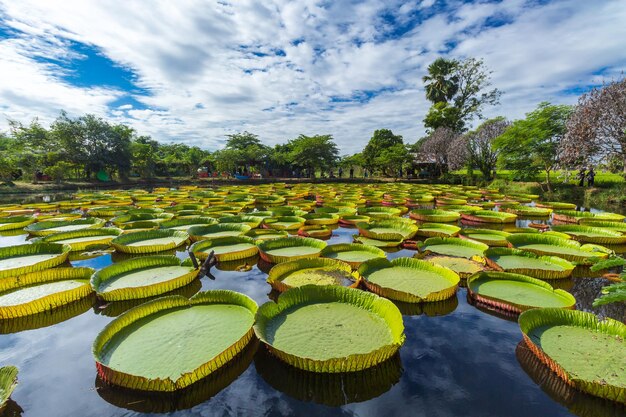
[(40, 291), (330, 328), (142, 277), (387, 229), (22, 259), (585, 217), (81, 240), (169, 343), (529, 263), (462, 266), (149, 241), (49, 227), (488, 216), (527, 211), (266, 234), (438, 230), (454, 246), (487, 236), (515, 292), (15, 222), (316, 271), (353, 254), (285, 222), (290, 249), (589, 234), (8, 382), (584, 351), (556, 246), (434, 215), (215, 231), (409, 280), (230, 248), (184, 224), (377, 242)]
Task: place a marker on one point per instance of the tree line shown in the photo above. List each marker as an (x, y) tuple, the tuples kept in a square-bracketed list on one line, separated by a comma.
[(550, 137)]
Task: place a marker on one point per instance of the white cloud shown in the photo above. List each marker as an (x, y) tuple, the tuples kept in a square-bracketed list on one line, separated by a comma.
[(214, 69)]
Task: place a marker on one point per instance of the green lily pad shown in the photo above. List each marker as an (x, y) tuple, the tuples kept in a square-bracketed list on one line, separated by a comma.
[(352, 253), (8, 382), (149, 241), (82, 240), (409, 280), (317, 271), (226, 249), (528, 263), (515, 292), (588, 234), (49, 227), (454, 246), (462, 266), (555, 246), (583, 350), (22, 259), (214, 325), (487, 236), (142, 277), (40, 291), (435, 215), (330, 328), (290, 249), (438, 230)]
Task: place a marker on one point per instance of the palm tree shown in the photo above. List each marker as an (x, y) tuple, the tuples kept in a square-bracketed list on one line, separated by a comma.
[(441, 81)]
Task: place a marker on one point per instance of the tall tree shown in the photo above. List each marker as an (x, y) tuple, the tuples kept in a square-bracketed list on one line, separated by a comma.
[(597, 128), (250, 151), (391, 160), (381, 139), (531, 145), (481, 153), (442, 81), (459, 91)]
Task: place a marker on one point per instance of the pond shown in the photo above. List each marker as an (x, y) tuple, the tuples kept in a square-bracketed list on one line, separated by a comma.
[(457, 361)]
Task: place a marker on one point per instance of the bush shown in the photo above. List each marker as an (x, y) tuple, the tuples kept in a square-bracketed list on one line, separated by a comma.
[(58, 172)]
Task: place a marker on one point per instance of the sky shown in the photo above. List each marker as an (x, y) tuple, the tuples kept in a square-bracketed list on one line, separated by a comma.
[(193, 71)]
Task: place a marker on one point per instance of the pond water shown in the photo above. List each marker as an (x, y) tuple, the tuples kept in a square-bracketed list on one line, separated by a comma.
[(457, 361)]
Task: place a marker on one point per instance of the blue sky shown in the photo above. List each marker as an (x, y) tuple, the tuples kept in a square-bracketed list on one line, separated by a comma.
[(194, 71)]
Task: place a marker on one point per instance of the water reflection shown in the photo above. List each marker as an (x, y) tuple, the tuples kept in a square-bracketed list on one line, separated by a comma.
[(577, 402), (11, 409), (324, 388), (115, 308), (434, 309), (199, 392), (47, 318)]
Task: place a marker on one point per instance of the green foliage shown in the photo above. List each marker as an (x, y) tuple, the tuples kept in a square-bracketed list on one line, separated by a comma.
[(442, 82), (313, 152), (458, 92), (391, 159), (58, 171), (611, 262), (614, 293), (530, 145), (481, 153), (381, 140)]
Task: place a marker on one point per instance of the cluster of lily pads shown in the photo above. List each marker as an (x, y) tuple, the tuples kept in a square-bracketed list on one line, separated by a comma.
[(338, 309)]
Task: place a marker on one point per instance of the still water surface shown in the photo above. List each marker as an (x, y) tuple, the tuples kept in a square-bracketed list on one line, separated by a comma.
[(457, 361)]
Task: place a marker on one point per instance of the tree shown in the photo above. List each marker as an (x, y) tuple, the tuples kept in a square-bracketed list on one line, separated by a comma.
[(250, 151), (597, 127), (458, 91), (381, 139), (436, 148), (442, 80), (481, 153), (313, 152), (144, 156), (392, 159), (531, 145)]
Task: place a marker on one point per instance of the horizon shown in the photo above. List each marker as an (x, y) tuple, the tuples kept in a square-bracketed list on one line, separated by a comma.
[(196, 72)]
